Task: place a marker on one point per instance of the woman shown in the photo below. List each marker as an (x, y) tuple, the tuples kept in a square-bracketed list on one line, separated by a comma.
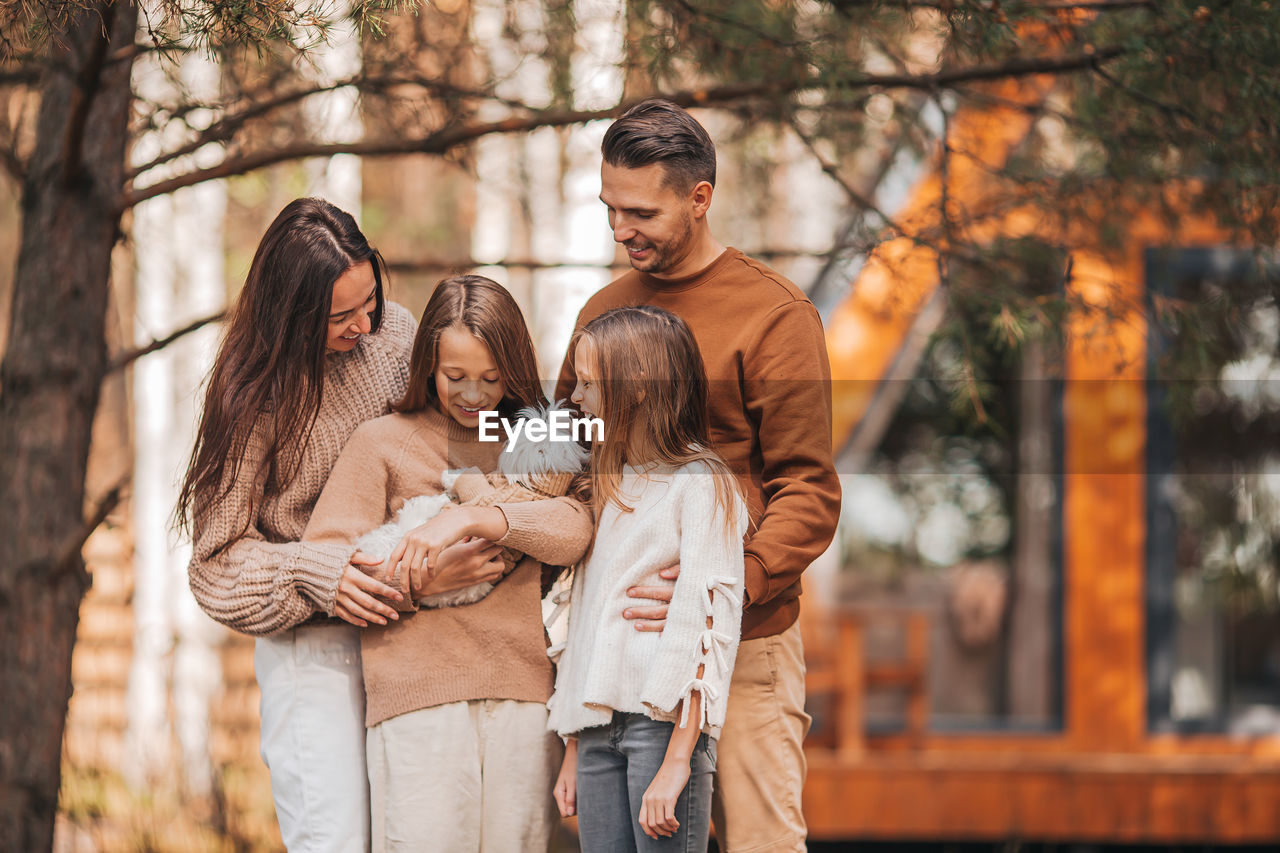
[(311, 351)]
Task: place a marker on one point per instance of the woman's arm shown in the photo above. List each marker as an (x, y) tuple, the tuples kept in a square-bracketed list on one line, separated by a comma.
[(354, 501), (242, 580)]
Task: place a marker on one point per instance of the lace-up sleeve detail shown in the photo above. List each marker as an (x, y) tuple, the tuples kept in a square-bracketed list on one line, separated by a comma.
[(700, 641)]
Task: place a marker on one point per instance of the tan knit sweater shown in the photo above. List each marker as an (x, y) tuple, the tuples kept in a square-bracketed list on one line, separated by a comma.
[(492, 649), (249, 569)]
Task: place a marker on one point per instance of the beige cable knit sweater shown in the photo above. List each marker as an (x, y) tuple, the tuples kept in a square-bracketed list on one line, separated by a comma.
[(249, 570), (495, 648)]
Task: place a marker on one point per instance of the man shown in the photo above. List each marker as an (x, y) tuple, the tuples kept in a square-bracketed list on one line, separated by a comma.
[(766, 359)]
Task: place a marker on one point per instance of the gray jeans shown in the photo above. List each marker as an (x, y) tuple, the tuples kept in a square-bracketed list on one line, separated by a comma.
[(616, 763)]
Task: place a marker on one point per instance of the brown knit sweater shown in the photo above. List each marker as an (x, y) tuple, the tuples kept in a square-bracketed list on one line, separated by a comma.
[(248, 569), (762, 343), (492, 649)]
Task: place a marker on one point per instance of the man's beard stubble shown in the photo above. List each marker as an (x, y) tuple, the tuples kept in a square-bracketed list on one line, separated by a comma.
[(667, 255)]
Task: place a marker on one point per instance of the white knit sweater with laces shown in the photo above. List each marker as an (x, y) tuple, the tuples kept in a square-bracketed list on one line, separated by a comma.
[(607, 665)]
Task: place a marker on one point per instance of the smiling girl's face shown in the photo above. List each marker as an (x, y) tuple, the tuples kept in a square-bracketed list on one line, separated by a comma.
[(467, 377)]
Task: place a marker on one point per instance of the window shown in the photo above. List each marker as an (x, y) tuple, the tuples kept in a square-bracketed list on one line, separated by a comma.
[(956, 513), (1213, 492)]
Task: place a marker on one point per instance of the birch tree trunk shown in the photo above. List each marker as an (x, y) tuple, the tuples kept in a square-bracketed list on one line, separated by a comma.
[(537, 196), (334, 116), (179, 253)]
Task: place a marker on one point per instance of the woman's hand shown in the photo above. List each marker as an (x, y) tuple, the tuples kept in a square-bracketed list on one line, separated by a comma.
[(566, 791), (422, 545), (658, 805), (357, 598), (462, 565)]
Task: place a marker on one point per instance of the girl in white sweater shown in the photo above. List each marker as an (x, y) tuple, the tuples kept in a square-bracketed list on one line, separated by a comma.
[(641, 711)]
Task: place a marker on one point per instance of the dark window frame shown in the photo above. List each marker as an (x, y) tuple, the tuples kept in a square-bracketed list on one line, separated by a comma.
[(1164, 268)]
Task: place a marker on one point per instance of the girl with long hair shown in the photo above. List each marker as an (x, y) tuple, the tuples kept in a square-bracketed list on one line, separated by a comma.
[(459, 756), (641, 711), (312, 349)]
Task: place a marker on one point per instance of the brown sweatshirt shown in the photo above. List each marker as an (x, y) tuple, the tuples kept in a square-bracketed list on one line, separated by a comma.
[(770, 387), (248, 568), (495, 648)]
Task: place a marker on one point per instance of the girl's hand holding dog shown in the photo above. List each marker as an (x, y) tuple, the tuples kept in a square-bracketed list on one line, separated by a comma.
[(422, 545), (462, 565), (566, 791)]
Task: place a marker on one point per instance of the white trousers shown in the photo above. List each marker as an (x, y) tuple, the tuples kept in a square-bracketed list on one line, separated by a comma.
[(466, 777), (313, 736)]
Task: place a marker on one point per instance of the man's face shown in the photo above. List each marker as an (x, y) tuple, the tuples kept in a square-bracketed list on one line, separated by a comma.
[(650, 218)]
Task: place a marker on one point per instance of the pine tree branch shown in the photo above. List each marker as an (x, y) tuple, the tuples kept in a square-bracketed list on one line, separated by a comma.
[(437, 142), (226, 128), (445, 139), (953, 6), (23, 75), (1144, 98), (730, 21), (850, 191), (67, 558), (438, 264), (1098, 5)]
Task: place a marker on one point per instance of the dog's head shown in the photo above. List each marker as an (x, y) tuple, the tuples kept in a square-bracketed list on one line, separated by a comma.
[(531, 461)]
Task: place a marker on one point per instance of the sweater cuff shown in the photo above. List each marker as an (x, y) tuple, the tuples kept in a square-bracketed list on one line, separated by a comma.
[(523, 529), (757, 580), (316, 569)]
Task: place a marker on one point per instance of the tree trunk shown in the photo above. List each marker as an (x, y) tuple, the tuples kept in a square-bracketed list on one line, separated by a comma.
[(49, 384)]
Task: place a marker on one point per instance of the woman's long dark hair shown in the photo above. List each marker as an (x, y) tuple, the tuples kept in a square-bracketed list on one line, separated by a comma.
[(271, 361)]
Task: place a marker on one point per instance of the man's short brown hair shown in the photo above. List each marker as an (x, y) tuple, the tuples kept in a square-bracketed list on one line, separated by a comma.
[(658, 131)]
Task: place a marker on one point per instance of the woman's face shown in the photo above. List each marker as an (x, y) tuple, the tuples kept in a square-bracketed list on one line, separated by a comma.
[(467, 378), (355, 296)]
